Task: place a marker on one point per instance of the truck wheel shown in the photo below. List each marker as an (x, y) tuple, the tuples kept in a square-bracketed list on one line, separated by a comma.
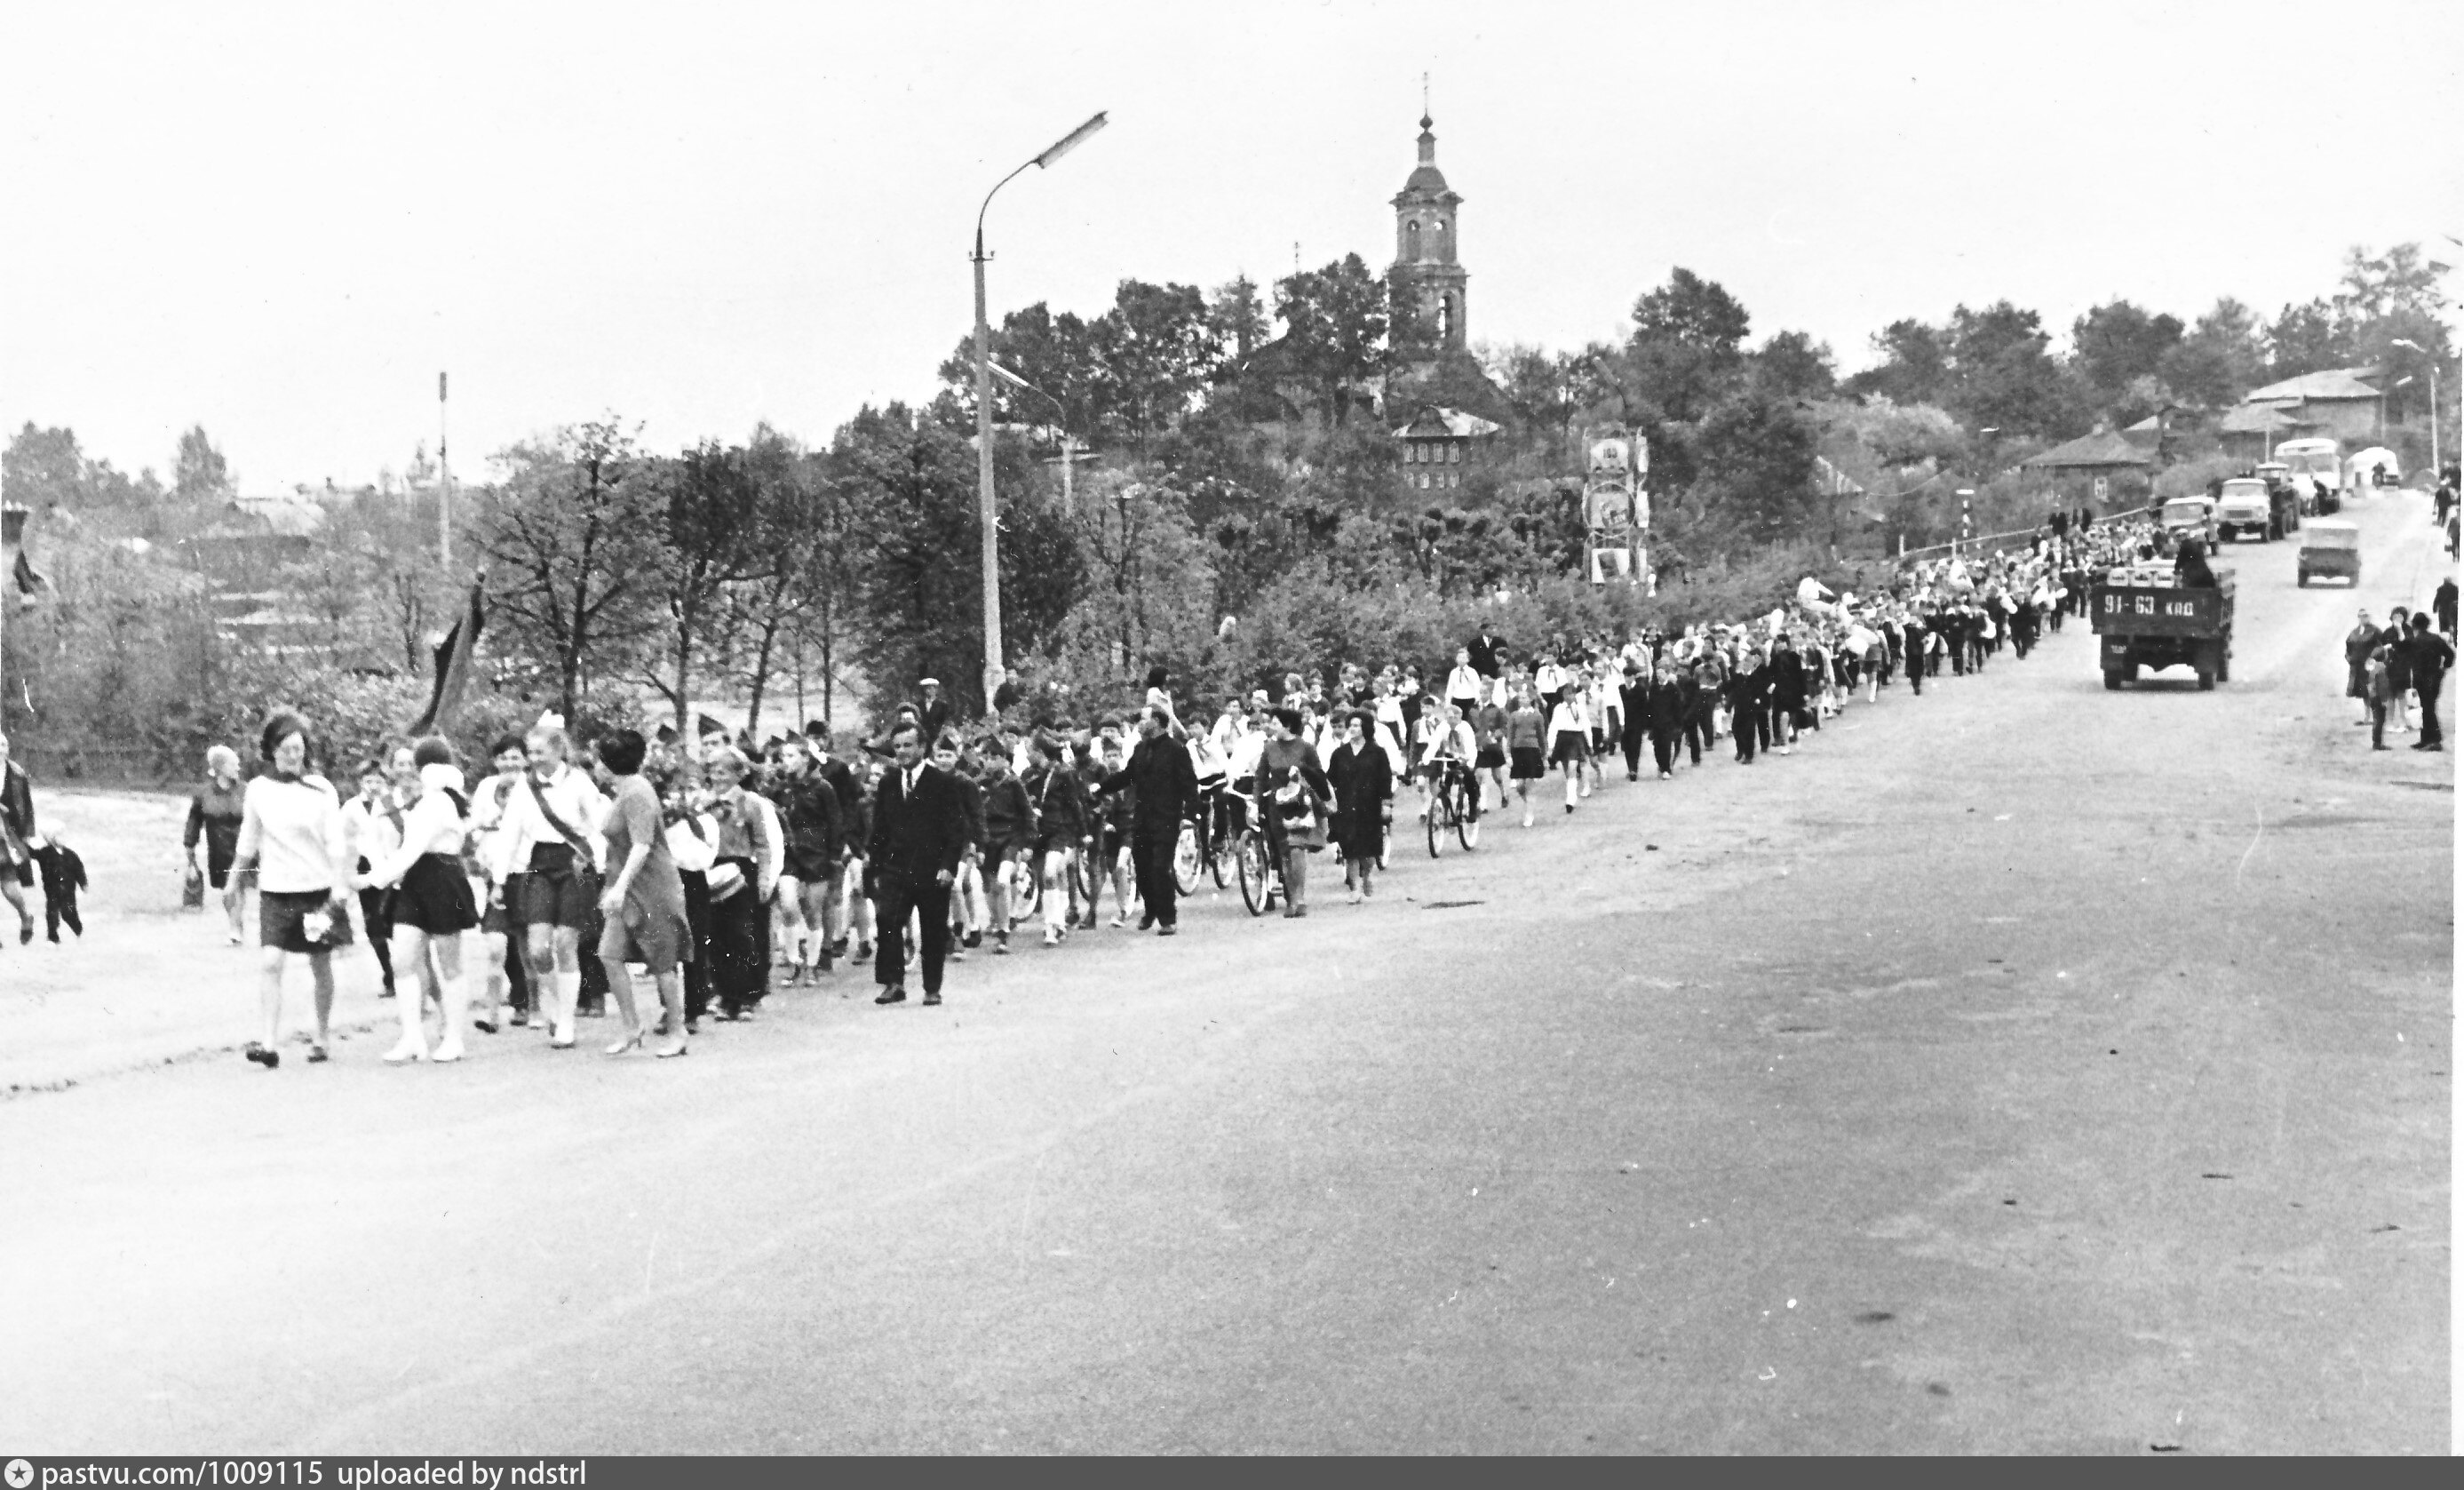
[(2207, 682), (2224, 670), (2302, 580), (2112, 681)]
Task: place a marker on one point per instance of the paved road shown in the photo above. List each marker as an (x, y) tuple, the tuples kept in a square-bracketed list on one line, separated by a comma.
[(2023, 1068)]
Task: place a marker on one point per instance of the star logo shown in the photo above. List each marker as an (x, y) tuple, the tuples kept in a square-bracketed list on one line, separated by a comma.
[(20, 1475)]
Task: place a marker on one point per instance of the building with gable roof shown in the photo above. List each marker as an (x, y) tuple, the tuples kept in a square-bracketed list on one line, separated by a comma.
[(2335, 404)]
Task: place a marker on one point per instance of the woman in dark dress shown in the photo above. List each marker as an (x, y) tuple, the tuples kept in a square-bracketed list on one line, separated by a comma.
[(1363, 781)]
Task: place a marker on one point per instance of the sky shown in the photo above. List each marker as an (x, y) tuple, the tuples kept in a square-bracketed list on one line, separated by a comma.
[(281, 222)]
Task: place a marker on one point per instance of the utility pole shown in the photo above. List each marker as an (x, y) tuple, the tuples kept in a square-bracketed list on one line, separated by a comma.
[(444, 488)]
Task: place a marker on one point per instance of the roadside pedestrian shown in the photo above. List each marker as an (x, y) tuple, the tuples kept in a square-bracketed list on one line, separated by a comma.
[(214, 815), (1363, 784), (739, 881), (2399, 668), (2429, 657), (429, 903), (2442, 603), (554, 818), (1167, 790), (2359, 643), (291, 834), (644, 902)]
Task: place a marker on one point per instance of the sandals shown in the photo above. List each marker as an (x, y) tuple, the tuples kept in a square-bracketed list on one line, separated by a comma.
[(268, 1058)]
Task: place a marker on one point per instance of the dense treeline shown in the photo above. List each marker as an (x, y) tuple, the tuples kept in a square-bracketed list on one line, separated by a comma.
[(1233, 507)]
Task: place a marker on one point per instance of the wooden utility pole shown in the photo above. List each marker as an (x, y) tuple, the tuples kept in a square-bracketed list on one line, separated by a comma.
[(444, 488)]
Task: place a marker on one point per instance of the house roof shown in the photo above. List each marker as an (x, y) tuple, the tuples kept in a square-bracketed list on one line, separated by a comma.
[(292, 516), (1432, 421), (2334, 383), (2257, 419), (2104, 448)]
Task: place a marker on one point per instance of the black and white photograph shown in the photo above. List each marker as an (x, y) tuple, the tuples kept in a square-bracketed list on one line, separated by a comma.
[(673, 680)]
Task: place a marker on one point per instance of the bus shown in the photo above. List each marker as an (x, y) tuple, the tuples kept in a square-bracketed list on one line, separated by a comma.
[(2320, 459)]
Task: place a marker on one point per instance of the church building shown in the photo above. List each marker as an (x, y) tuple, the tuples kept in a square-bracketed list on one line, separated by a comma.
[(1425, 249)]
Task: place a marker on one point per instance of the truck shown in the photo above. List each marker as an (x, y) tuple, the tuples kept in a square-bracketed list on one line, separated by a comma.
[(2242, 508), (2142, 619)]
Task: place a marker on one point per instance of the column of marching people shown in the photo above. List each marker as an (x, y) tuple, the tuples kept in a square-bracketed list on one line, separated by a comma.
[(725, 874)]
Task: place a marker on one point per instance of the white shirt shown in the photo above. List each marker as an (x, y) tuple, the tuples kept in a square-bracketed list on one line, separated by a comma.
[(294, 832), (1569, 716), (693, 852), (1463, 683), (434, 825), (1550, 678), (575, 798), (1457, 742)]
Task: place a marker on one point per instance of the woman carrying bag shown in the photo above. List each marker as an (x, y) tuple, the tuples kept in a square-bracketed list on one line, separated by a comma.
[(1296, 797)]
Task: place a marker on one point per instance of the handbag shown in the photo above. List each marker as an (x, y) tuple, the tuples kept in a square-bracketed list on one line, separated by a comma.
[(192, 889)]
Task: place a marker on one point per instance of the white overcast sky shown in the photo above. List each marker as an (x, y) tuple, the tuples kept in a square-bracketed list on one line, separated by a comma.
[(281, 222)]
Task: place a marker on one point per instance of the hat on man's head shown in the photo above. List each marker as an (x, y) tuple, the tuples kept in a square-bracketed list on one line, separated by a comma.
[(930, 682)]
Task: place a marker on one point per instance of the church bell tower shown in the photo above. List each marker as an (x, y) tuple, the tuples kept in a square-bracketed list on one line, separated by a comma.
[(1425, 248)]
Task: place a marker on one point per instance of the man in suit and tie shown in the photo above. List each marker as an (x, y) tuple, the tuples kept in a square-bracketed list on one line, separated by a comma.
[(1166, 791), (919, 830)]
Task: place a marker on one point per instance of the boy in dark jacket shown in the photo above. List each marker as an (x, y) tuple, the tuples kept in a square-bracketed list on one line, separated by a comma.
[(63, 877)]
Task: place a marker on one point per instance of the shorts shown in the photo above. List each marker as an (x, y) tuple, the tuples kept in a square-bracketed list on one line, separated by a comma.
[(807, 866), (503, 916), (282, 920), (1570, 747), (553, 897), (435, 898), (1002, 851), (658, 939), (218, 863), (1528, 764), (1491, 756)]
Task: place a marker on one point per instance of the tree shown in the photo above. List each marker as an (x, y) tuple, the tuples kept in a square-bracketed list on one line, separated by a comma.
[(199, 473), (801, 524), (2002, 376), (1687, 348), (2220, 358), (2398, 281), (1915, 367), (1792, 365), (576, 541), (42, 467), (1335, 323), (1058, 357), (1540, 386), (919, 580), (1154, 350), (714, 540), (1757, 463), (1238, 317), (2306, 338), (2116, 343)]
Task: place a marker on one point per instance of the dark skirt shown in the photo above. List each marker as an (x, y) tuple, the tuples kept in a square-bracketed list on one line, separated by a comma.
[(435, 896), (740, 970), (282, 917), (1528, 764)]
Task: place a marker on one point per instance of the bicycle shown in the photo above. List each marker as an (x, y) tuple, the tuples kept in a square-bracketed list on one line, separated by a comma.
[(1255, 860), (1453, 808)]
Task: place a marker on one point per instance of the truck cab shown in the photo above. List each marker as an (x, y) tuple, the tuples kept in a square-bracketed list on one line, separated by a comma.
[(2330, 548), (2189, 517), (2243, 509)]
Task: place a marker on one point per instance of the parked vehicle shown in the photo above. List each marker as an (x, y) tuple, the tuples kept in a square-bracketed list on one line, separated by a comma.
[(2193, 517), (2243, 509), (2143, 619), (2331, 547)]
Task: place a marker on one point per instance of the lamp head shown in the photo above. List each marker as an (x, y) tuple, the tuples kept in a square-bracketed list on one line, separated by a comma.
[(1072, 140)]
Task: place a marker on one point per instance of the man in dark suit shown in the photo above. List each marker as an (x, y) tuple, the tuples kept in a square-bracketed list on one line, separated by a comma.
[(919, 828), (1485, 648), (1166, 791)]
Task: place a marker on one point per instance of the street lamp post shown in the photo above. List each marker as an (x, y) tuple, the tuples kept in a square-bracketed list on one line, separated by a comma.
[(2437, 471), (988, 513)]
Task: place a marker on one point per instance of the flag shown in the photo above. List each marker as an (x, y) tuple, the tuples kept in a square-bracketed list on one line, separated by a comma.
[(31, 581), (453, 665)]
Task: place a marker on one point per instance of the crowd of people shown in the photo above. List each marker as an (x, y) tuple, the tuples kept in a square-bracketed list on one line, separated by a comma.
[(523, 897)]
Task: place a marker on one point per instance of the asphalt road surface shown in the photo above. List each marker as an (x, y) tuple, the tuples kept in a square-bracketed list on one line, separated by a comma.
[(2023, 1068)]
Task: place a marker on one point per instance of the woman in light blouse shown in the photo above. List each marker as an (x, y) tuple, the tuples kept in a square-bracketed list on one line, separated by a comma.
[(291, 834)]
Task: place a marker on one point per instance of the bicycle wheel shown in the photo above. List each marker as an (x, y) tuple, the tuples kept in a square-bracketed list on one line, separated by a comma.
[(1433, 823), (1385, 842), (1251, 854), (1220, 852), (1467, 821), (1184, 859)]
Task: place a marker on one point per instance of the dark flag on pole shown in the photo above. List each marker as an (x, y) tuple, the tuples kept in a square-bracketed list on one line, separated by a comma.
[(453, 664)]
